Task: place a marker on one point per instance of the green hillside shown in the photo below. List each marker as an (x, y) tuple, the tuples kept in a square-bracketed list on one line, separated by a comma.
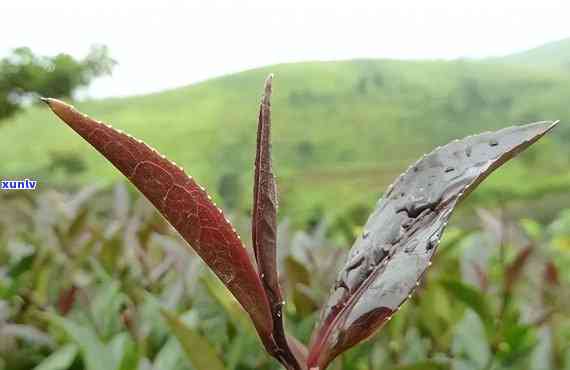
[(552, 54), (342, 130)]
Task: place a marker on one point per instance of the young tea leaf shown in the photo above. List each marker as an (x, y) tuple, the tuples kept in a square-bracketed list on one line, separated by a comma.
[(264, 227), (185, 204), (400, 237), (264, 220)]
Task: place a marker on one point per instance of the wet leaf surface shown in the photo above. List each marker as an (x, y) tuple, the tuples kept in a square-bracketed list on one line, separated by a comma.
[(401, 236), (185, 204)]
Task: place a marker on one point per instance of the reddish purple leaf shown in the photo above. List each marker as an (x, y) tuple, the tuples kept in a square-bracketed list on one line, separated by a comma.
[(66, 300), (551, 275), (264, 228), (264, 223), (401, 236), (185, 204), (515, 269)]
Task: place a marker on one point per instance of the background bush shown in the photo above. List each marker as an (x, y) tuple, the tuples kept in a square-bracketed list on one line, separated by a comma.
[(96, 279)]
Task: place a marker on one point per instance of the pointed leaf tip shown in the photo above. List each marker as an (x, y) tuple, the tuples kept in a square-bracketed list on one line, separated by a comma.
[(264, 218), (269, 81), (268, 88), (388, 260), (264, 227)]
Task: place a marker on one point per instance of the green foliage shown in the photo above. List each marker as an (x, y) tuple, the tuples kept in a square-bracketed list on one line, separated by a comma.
[(24, 76), (143, 300), (62, 359), (68, 162), (333, 143), (199, 351), (473, 298), (94, 352), (554, 54), (230, 189)]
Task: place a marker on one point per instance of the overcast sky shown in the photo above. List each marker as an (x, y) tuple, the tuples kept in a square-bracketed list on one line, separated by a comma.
[(168, 43)]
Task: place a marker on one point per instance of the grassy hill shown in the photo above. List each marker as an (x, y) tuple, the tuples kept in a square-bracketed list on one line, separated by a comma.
[(342, 130), (552, 54)]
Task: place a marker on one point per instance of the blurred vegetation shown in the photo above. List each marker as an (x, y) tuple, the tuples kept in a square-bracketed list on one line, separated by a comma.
[(555, 54), (24, 76), (96, 279), (342, 130)]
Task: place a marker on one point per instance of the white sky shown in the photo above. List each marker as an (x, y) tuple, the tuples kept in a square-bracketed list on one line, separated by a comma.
[(164, 44)]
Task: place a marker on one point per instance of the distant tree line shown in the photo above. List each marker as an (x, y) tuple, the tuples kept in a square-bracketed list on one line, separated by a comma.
[(24, 75)]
